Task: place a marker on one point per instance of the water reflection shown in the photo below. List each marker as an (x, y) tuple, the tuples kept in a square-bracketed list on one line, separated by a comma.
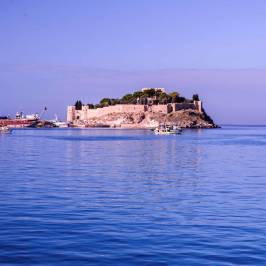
[(128, 197)]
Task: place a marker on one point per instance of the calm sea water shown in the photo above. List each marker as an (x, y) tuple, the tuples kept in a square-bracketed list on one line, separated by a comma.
[(128, 197)]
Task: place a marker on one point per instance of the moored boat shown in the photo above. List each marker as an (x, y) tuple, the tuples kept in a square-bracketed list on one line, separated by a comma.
[(20, 121), (58, 123), (167, 130)]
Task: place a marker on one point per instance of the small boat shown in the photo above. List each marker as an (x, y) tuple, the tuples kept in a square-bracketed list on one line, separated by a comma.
[(5, 130), (58, 123), (167, 130)]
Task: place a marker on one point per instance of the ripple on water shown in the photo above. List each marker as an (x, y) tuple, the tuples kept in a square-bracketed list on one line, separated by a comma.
[(128, 197)]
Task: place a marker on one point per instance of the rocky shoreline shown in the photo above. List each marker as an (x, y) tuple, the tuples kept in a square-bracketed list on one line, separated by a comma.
[(184, 118)]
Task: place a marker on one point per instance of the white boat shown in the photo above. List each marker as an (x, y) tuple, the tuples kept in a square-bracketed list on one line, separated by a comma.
[(58, 123), (5, 130), (167, 130)]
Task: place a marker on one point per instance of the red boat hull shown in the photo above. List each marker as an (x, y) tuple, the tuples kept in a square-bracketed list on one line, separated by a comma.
[(17, 123)]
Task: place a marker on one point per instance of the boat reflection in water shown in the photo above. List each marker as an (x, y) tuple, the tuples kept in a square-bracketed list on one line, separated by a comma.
[(5, 130)]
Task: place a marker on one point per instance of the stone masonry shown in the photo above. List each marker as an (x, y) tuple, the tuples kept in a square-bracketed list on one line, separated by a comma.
[(74, 115)]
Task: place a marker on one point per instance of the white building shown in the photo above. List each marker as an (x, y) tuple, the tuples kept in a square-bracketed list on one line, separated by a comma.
[(156, 89)]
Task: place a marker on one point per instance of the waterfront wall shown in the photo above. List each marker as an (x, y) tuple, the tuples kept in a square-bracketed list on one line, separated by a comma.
[(86, 113), (183, 106)]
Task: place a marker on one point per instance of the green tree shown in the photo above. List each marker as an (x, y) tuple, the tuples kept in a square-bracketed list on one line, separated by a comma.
[(164, 98), (127, 98), (158, 93), (137, 94), (115, 101), (105, 102), (174, 96), (195, 97), (78, 105), (181, 99), (150, 92), (98, 106)]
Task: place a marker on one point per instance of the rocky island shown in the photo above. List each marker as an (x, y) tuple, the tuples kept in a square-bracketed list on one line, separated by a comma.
[(146, 108)]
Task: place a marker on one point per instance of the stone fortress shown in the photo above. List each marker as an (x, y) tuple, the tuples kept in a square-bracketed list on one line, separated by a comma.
[(86, 113)]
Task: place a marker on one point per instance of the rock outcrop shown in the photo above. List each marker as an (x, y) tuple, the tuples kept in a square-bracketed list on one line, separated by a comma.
[(188, 118)]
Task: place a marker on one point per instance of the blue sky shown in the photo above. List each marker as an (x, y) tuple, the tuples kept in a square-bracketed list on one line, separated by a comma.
[(54, 52)]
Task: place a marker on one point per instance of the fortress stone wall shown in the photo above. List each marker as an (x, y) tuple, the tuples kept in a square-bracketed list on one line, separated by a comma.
[(183, 106), (74, 115)]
